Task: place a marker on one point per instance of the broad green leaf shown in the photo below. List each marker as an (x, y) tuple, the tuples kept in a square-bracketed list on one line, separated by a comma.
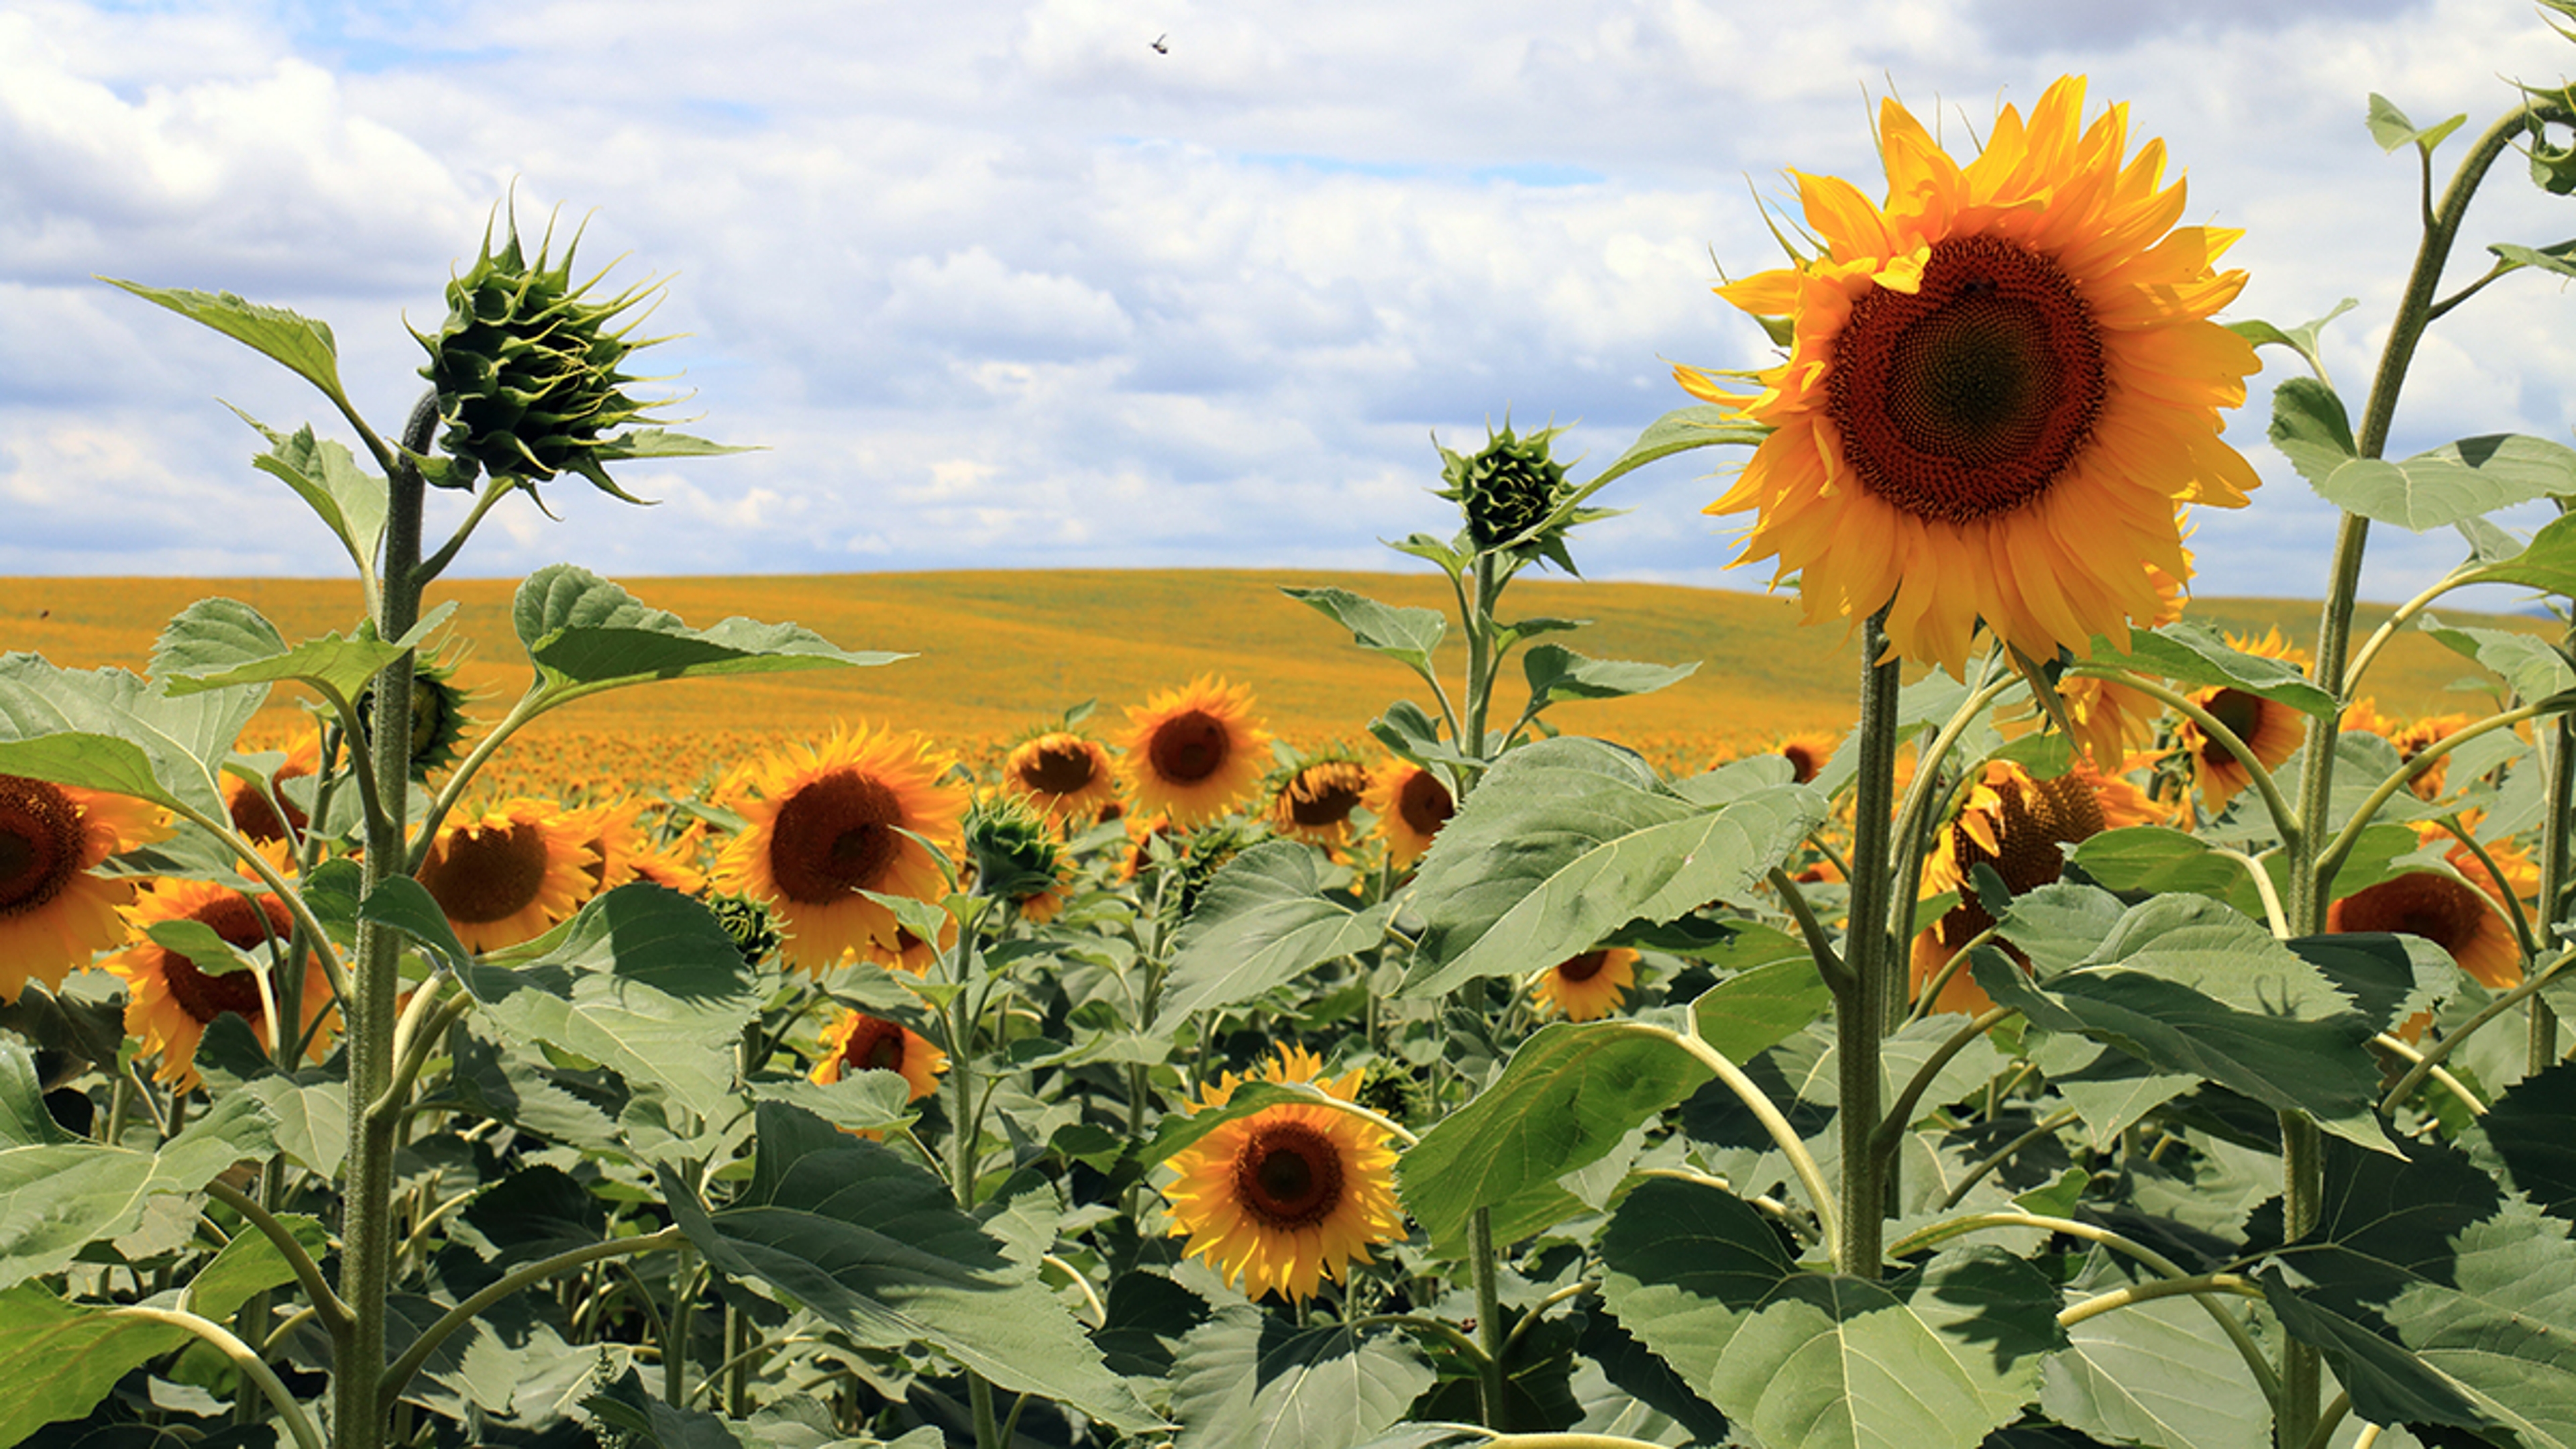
[(2108, 1088), (304, 345), (516, 1085), (349, 500), (2189, 653), (56, 1198), (1701, 425), (868, 1101), (407, 906), (2311, 428), (1753, 1011), (2560, 259), (250, 1264), (312, 1112), (1409, 635), (2457, 480), (2156, 1373), (24, 1122), (1569, 840), (2390, 128), (2159, 859), (2301, 339), (109, 730), (2057, 926), (876, 1246), (2532, 665), (1248, 1379), (641, 1420), (1933, 1358), (60, 1359), (645, 983), (219, 643), (1261, 922), (2438, 1297), (1564, 1100), (2187, 985), (2526, 1131), (1178, 1131), (205, 949), (1556, 673), (584, 632)]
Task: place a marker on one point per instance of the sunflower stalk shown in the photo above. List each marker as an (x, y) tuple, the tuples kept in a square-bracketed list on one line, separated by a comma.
[(1870, 1003)]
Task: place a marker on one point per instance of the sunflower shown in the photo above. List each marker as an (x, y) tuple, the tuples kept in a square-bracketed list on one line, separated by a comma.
[(858, 1042), (1015, 855), (908, 952), (1316, 803), (675, 866), (822, 826), (2467, 920), (254, 815), (2273, 731), (614, 834), (2000, 387), (511, 875), (169, 1002), (2016, 824), (2423, 734), (1587, 987), (1193, 752), (54, 914), (1807, 753), (1411, 804), (1066, 776), (1287, 1196)]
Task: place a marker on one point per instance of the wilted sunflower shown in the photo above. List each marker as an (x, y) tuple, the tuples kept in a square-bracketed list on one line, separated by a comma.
[(54, 914), (170, 1001), (1315, 804), (823, 825), (1411, 804), (2001, 385), (253, 813), (858, 1042), (1589, 986), (2465, 915), (1065, 775), (510, 875), (1288, 1196), (2273, 731), (2014, 823), (1193, 752)]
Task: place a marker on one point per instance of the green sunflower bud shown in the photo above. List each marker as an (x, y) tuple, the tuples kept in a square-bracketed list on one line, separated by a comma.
[(1015, 854), (1506, 490), (438, 718), (527, 368), (751, 924)]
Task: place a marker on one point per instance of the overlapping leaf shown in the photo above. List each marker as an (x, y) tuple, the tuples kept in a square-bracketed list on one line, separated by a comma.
[(2430, 490), (56, 1197), (223, 643), (105, 729), (1261, 922), (584, 633), (1404, 634), (1252, 1380)]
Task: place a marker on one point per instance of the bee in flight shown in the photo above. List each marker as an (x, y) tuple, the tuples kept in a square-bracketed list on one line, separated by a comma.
[(1159, 47)]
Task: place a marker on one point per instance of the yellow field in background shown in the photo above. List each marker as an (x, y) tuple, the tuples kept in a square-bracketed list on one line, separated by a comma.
[(1000, 651)]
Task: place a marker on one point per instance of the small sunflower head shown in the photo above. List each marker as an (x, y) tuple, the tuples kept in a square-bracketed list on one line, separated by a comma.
[(527, 366), (1016, 856), (751, 924), (1508, 489), (438, 717)]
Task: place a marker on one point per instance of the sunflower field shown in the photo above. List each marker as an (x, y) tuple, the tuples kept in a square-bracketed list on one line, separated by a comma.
[(2095, 1025)]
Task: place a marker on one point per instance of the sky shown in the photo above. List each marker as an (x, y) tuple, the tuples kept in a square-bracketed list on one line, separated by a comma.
[(999, 284)]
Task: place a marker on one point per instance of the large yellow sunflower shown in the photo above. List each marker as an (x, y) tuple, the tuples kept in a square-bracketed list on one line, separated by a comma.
[(2014, 823), (1066, 776), (1589, 986), (2001, 385), (511, 874), (1315, 804), (2273, 731), (2467, 920), (1411, 804), (821, 826), (54, 914), (1193, 752), (169, 1002), (858, 1042), (1290, 1195)]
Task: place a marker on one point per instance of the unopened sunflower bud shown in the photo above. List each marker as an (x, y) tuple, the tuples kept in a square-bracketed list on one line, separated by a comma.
[(1508, 488)]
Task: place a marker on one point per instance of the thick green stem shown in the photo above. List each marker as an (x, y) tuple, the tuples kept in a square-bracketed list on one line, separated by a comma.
[(1874, 1002), (1490, 1380), (2541, 1042), (367, 1226)]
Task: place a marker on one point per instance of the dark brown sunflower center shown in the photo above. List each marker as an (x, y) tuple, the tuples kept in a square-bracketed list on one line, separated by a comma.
[(877, 1046), (1424, 803), (2035, 820), (255, 817), (1288, 1175), (1579, 969), (1803, 763), (835, 836), (1189, 747), (1325, 797), (241, 924), (482, 876), (40, 844), (2435, 908), (1971, 395), (2241, 712), (1058, 769)]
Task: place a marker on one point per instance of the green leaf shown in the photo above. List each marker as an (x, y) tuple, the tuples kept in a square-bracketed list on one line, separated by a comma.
[(1179, 1130), (868, 1101), (1247, 1379), (2157, 1374), (1556, 673), (302, 344), (2459, 480), (56, 1198), (406, 905), (2301, 339), (2057, 926), (877, 1247), (1933, 1358), (642, 1421), (312, 1112), (643, 982), (2158, 859), (2437, 1297), (1261, 922), (660, 443), (206, 950), (1563, 1101), (24, 1122), (2533, 666), (2390, 128), (349, 500), (2560, 259), (1571, 839), (1701, 425), (109, 730), (251, 1264), (1753, 1011), (2526, 1129), (1409, 635), (61, 1359), (2189, 653), (2187, 985), (584, 632), (219, 643)]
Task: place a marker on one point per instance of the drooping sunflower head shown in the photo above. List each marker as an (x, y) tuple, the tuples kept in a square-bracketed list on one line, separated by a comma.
[(2272, 730), (171, 999), (824, 828), (1016, 856), (2001, 385), (1193, 752), (528, 365), (2463, 913), (54, 913), (1588, 986), (509, 875), (1314, 802), (858, 1042), (1411, 804), (254, 807), (1068, 777), (1508, 488), (1283, 1198), (438, 717)]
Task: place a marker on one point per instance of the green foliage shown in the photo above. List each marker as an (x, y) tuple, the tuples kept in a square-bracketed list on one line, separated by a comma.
[(585, 634), (2430, 490), (1261, 923), (1250, 1380)]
